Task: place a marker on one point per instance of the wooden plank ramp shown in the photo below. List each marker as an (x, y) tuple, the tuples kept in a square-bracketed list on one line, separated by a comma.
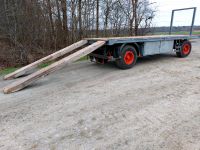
[(51, 57), (24, 82)]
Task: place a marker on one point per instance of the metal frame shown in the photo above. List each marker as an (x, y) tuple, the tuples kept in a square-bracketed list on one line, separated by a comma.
[(125, 40), (193, 18)]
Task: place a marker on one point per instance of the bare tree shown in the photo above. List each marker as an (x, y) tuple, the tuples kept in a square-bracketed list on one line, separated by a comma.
[(64, 16), (80, 18), (50, 17), (97, 18), (59, 16)]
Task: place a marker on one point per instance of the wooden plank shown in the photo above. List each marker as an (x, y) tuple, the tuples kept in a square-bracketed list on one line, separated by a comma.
[(51, 57), (20, 84)]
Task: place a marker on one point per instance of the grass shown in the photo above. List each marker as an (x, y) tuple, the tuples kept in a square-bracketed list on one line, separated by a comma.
[(45, 65), (83, 58), (7, 70)]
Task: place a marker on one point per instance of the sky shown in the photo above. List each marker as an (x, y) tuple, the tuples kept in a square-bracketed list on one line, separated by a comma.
[(181, 18)]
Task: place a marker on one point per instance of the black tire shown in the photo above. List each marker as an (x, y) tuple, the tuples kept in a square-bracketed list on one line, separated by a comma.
[(186, 49), (122, 62)]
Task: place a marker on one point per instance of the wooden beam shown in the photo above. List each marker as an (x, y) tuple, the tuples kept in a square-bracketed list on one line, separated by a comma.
[(51, 57), (20, 84)]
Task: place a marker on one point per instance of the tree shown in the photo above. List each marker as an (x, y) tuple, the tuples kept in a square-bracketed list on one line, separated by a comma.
[(80, 18), (97, 18), (107, 10), (64, 22), (135, 15), (50, 18), (59, 16)]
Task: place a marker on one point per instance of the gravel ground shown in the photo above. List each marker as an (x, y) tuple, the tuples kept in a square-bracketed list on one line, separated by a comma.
[(155, 105)]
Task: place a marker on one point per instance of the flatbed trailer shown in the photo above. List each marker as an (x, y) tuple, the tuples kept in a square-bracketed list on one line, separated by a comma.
[(125, 50)]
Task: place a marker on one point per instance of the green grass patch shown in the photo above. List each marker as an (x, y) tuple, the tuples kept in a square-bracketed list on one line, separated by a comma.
[(7, 71), (83, 58), (45, 65)]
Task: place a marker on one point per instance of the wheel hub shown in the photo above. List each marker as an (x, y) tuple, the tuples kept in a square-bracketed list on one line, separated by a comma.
[(186, 49), (129, 57)]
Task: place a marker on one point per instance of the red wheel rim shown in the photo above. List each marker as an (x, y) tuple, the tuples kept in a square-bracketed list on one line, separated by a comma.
[(129, 57), (186, 49)]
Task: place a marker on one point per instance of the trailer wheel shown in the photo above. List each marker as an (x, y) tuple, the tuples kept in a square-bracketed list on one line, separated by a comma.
[(128, 57), (185, 49)]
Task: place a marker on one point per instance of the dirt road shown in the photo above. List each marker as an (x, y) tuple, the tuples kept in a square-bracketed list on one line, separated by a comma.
[(155, 105)]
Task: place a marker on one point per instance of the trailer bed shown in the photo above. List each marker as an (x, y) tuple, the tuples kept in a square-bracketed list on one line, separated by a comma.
[(152, 38)]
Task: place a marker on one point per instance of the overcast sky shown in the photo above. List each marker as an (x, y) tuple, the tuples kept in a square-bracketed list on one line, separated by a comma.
[(182, 18)]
